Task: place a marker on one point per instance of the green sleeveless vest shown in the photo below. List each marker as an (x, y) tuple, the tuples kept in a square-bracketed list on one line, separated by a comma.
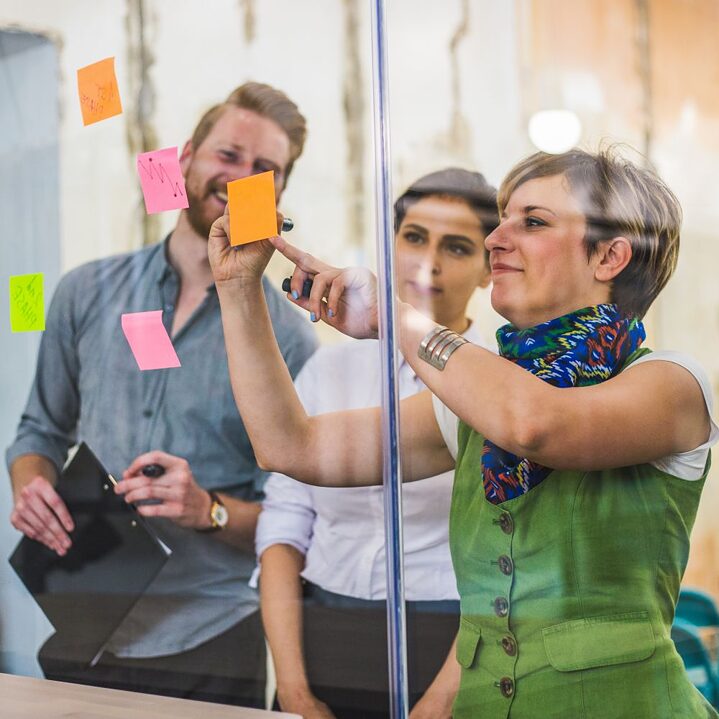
[(568, 594)]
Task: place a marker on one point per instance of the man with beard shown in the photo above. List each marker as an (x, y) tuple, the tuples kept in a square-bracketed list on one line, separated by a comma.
[(196, 632)]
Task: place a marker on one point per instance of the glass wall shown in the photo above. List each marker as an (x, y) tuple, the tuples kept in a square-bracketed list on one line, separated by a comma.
[(388, 143)]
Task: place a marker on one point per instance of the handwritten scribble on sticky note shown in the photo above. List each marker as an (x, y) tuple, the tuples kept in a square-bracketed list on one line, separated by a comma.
[(149, 341), (99, 94), (253, 213), (163, 186), (27, 303)]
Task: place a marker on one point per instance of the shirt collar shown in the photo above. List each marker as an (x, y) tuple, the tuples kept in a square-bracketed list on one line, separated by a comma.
[(161, 267)]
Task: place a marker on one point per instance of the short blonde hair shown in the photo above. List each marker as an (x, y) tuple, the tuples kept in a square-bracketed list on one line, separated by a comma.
[(266, 101), (619, 199)]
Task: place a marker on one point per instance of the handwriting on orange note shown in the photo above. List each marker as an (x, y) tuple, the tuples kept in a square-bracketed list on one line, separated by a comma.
[(98, 91)]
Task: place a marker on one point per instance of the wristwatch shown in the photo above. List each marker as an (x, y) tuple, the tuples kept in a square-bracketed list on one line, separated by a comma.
[(218, 514)]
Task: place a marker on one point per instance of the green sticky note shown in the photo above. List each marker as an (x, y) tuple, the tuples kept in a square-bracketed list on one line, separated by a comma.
[(27, 303)]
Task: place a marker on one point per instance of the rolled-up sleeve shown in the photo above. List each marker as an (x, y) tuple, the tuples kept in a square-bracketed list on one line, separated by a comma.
[(287, 515), (48, 424)]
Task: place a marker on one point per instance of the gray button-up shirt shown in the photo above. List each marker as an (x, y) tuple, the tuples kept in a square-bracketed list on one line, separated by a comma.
[(88, 387)]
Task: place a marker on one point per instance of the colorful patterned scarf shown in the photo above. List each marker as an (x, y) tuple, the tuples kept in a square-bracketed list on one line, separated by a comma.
[(578, 349)]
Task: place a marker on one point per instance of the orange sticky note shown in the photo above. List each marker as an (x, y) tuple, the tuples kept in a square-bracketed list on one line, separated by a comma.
[(99, 94), (253, 211)]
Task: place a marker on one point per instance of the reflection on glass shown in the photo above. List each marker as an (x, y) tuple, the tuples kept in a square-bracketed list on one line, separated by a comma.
[(554, 131)]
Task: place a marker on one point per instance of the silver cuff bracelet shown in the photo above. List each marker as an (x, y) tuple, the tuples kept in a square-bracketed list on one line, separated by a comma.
[(438, 345)]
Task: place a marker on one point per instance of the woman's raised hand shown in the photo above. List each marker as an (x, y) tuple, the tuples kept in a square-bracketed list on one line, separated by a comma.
[(241, 263), (345, 299)]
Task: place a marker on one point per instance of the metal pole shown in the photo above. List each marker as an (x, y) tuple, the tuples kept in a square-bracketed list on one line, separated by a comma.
[(396, 629)]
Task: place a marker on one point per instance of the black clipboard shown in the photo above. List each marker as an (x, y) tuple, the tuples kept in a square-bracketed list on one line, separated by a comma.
[(114, 556)]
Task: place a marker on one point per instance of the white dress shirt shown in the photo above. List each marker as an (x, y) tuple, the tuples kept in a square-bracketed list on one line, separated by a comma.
[(341, 530)]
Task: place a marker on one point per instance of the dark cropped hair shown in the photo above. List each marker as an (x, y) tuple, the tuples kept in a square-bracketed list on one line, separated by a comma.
[(618, 199), (452, 182)]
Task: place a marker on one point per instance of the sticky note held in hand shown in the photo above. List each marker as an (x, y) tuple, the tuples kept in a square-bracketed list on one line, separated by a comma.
[(149, 341), (253, 210), (163, 186), (27, 303), (99, 94)]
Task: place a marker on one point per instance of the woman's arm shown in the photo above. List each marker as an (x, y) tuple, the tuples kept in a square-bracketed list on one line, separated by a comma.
[(643, 414), (338, 449), (436, 702), (335, 449), (281, 607)]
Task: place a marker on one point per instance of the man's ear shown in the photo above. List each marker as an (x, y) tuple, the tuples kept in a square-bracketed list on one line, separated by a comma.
[(612, 256), (186, 157)]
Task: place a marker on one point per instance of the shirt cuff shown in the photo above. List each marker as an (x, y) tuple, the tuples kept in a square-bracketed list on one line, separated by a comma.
[(35, 445)]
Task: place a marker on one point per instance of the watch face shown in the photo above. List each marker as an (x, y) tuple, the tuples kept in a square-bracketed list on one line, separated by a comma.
[(219, 515)]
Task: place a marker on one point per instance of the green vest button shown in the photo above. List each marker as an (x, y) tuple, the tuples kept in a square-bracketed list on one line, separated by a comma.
[(505, 522), (506, 565), (506, 686), (501, 607), (509, 646)]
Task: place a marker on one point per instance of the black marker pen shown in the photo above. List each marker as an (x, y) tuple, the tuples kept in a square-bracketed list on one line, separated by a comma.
[(306, 286), (153, 470), (287, 225)]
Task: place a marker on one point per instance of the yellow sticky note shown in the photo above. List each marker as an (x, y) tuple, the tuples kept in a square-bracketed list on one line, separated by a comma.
[(253, 211), (99, 94), (27, 303)]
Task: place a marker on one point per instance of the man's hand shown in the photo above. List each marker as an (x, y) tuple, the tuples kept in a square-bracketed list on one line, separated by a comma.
[(40, 514), (181, 499), (344, 298), (241, 263), (303, 703)]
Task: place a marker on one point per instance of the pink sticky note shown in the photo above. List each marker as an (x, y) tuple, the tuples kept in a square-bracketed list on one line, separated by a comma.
[(161, 178), (149, 341)]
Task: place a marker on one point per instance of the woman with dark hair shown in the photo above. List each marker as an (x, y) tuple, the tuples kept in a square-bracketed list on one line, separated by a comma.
[(579, 455), (322, 585)]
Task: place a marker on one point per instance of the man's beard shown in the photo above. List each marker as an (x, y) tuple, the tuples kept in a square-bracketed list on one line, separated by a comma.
[(197, 213)]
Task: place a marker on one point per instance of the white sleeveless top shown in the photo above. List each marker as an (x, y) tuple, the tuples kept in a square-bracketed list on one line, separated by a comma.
[(685, 465)]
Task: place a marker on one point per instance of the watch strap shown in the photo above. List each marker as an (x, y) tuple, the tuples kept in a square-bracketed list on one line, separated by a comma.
[(214, 527)]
